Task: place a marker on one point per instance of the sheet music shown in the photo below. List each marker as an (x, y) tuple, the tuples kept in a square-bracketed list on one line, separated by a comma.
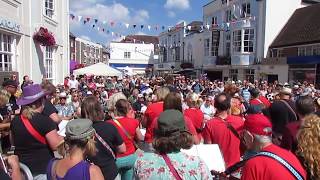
[(210, 154)]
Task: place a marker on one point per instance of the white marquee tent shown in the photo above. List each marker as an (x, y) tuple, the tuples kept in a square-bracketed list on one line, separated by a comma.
[(99, 69)]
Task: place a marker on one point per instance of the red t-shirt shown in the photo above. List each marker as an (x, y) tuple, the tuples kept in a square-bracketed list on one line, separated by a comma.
[(153, 111), (130, 125), (217, 132), (265, 168), (261, 100), (196, 116)]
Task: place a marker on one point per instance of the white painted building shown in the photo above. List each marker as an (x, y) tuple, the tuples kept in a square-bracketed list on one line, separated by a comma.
[(241, 34), (137, 56), (171, 49), (19, 53)]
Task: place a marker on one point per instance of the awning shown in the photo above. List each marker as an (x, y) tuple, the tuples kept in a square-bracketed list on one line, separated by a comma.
[(303, 60)]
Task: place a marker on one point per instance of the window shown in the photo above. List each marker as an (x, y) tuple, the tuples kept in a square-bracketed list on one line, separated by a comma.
[(214, 20), (245, 10), (127, 55), (237, 41), (228, 44), (228, 15), (177, 53), (233, 74), (249, 73), (189, 54), (206, 47), (215, 43), (248, 40), (49, 8), (6, 52), (316, 50), (72, 44), (48, 65), (309, 51), (301, 51)]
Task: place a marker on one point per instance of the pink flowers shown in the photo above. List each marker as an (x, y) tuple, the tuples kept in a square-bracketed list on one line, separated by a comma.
[(44, 37)]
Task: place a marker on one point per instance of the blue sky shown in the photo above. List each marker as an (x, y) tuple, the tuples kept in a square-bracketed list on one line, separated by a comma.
[(122, 12)]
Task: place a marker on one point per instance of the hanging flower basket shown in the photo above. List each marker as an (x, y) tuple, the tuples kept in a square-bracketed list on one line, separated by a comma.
[(44, 37)]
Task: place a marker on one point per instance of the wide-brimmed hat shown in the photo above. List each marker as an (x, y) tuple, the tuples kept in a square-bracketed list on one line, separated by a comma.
[(79, 129), (170, 122), (286, 91), (30, 94), (10, 82)]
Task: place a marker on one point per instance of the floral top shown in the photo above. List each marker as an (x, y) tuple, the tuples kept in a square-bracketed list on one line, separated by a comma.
[(153, 166)]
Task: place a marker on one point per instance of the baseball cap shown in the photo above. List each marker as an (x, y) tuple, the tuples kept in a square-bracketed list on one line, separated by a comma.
[(258, 124), (79, 129), (170, 122), (62, 95)]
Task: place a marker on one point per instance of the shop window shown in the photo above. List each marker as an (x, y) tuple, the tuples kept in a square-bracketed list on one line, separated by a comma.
[(233, 74), (316, 50), (215, 43), (49, 8), (48, 65), (237, 41), (249, 74), (6, 52), (228, 15)]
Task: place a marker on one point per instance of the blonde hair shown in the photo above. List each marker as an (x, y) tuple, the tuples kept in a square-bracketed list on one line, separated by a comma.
[(4, 97), (30, 109), (88, 145), (309, 144), (193, 100), (113, 100), (162, 93)]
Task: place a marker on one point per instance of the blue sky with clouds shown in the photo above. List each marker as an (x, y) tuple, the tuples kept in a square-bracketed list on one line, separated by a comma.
[(122, 12)]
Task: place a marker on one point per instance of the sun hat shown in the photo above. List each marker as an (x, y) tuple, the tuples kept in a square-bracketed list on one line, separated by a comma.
[(286, 91), (30, 94), (10, 82), (258, 124), (170, 122), (78, 129), (63, 95)]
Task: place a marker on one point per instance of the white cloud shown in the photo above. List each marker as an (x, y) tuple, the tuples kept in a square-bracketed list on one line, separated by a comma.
[(171, 14), (141, 33), (85, 38), (177, 4)]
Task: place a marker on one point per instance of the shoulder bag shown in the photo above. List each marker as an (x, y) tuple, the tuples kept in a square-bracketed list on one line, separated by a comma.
[(105, 144), (32, 130), (171, 168), (125, 132)]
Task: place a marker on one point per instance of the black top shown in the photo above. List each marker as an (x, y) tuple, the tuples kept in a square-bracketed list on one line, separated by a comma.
[(30, 151), (281, 115), (3, 175), (13, 103), (104, 159), (48, 108)]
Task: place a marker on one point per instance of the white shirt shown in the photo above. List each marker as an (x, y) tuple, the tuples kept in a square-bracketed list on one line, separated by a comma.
[(73, 84), (208, 111)]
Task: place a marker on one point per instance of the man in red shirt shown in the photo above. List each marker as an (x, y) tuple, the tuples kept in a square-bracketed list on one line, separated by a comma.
[(257, 99), (258, 137), (218, 132)]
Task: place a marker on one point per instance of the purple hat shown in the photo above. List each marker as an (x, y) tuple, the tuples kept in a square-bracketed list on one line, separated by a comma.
[(30, 94)]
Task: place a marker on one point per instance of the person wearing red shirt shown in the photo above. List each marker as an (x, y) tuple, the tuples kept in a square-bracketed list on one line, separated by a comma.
[(153, 111), (194, 113), (216, 130), (258, 137), (257, 99), (129, 130)]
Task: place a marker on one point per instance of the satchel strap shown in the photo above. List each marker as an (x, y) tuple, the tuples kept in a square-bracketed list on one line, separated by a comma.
[(283, 162), (123, 129), (171, 168), (105, 144), (290, 108), (33, 131)]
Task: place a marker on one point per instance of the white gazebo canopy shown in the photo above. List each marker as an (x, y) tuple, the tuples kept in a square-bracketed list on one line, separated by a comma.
[(99, 69)]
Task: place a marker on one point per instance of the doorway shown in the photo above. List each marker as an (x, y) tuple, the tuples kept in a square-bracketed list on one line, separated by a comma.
[(214, 75)]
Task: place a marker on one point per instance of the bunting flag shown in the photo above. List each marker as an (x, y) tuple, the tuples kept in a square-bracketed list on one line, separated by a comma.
[(208, 26), (93, 26), (84, 22), (96, 21), (88, 19), (149, 27), (79, 18), (72, 16), (142, 26), (104, 22), (189, 28), (163, 27), (134, 26), (112, 23), (127, 25)]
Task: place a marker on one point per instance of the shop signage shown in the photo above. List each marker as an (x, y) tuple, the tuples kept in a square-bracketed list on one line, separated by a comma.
[(10, 25)]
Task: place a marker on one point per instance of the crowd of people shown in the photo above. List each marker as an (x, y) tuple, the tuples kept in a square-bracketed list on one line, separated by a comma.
[(134, 127)]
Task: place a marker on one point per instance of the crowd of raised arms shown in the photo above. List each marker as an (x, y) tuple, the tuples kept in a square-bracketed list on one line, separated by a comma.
[(135, 128)]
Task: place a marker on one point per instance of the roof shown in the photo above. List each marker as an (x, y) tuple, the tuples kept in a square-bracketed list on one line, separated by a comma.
[(195, 25), (71, 35), (302, 28), (141, 38)]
